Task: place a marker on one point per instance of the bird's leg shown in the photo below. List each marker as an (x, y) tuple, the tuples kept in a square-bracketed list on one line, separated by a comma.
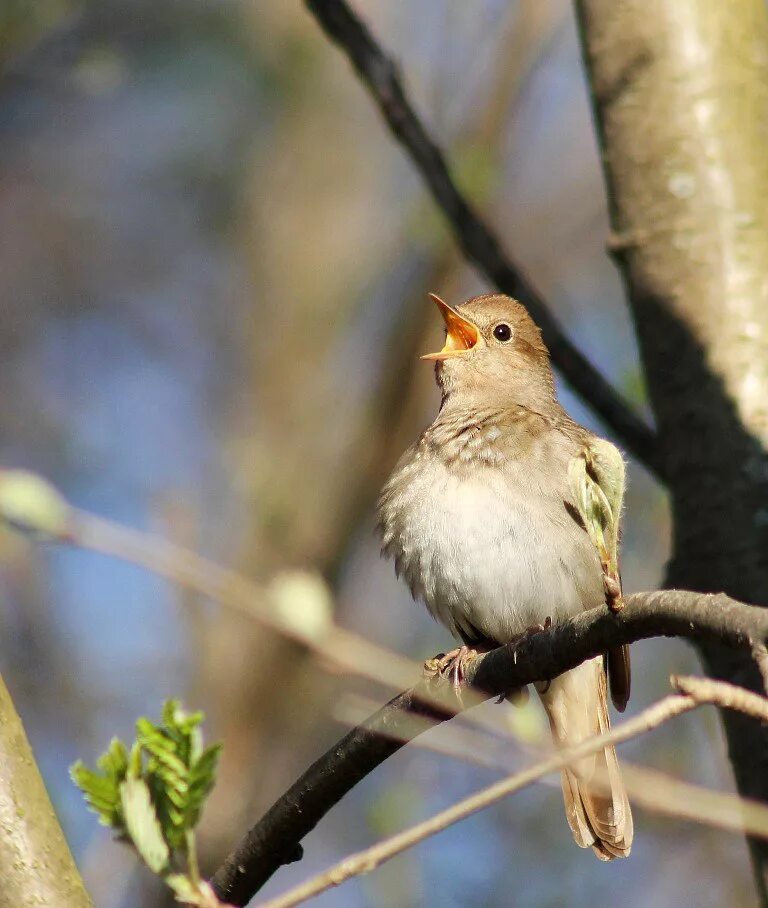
[(454, 664)]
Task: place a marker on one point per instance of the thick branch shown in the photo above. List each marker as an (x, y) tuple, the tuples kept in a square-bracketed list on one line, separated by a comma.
[(275, 839), (680, 96), (36, 866), (379, 74)]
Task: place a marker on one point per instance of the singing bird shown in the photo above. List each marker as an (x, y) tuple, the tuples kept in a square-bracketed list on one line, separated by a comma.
[(504, 516)]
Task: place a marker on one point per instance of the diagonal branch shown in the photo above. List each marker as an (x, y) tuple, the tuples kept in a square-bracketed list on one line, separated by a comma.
[(275, 839), (29, 504), (694, 692), (475, 239)]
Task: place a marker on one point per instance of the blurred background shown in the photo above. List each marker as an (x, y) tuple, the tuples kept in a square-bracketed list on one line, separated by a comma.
[(213, 275)]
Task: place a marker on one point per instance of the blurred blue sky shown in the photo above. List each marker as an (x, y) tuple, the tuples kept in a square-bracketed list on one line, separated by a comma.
[(175, 179)]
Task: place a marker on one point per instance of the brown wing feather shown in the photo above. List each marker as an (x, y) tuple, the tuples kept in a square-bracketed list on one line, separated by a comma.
[(619, 675)]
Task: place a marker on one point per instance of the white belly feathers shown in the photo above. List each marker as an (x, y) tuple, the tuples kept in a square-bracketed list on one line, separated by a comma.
[(474, 551)]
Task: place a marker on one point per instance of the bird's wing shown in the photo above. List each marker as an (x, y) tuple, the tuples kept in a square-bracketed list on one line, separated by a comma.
[(596, 477), (596, 480)]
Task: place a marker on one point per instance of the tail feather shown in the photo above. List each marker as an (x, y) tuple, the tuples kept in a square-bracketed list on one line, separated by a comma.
[(577, 707)]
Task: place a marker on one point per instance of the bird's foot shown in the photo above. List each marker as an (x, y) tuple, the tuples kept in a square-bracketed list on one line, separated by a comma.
[(453, 665)]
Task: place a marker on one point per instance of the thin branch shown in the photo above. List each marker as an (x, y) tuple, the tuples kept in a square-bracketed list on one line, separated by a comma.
[(655, 791), (659, 793), (311, 626), (275, 839), (475, 239), (470, 745), (722, 694), (705, 690)]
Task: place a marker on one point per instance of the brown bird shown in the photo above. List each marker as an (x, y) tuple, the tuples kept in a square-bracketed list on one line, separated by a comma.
[(505, 515)]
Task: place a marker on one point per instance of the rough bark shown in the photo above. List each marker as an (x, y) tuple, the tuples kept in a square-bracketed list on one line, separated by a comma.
[(680, 94), (36, 866)]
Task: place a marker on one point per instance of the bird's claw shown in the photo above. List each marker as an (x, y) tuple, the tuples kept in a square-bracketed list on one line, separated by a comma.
[(451, 666), (534, 629)]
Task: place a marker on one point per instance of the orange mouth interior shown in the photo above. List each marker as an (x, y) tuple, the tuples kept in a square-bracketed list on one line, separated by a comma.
[(461, 335)]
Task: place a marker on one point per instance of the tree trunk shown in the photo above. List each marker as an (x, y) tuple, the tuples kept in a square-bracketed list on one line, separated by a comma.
[(680, 94), (36, 867)]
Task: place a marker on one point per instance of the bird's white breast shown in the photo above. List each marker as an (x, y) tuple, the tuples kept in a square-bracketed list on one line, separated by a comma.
[(490, 550)]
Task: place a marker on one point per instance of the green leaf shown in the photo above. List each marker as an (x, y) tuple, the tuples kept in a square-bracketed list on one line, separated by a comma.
[(142, 824), (202, 778), (102, 794), (179, 772), (114, 761), (102, 789), (134, 760)]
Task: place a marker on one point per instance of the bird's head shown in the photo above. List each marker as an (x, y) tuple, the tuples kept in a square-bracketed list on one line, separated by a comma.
[(493, 352)]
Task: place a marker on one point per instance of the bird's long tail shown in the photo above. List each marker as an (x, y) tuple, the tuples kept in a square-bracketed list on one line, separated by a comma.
[(577, 708)]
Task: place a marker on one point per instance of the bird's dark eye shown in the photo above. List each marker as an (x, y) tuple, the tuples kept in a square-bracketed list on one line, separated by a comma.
[(502, 332)]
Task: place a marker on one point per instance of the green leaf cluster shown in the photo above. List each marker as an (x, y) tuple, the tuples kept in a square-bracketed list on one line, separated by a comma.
[(179, 770), (153, 794)]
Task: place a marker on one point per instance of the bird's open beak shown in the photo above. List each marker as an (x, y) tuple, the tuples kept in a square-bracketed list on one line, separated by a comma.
[(462, 334)]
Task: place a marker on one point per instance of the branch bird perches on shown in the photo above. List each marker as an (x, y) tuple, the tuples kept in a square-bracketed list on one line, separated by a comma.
[(275, 839), (30, 504), (692, 692)]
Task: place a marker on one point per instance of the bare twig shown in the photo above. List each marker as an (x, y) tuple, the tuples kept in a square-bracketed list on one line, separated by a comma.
[(379, 74), (659, 793), (364, 861), (668, 612), (705, 690), (470, 745), (191, 571), (275, 840), (655, 791)]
